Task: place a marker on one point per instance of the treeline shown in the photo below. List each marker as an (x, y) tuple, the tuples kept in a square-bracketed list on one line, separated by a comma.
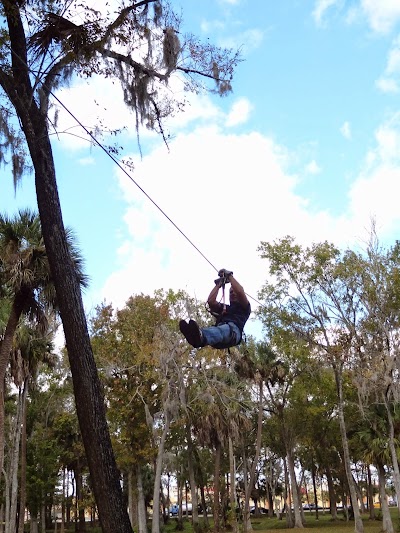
[(309, 413)]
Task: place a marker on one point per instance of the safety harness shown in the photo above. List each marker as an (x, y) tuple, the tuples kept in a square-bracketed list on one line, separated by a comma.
[(223, 280)]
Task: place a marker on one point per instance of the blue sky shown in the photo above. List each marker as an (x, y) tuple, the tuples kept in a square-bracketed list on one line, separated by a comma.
[(308, 144)]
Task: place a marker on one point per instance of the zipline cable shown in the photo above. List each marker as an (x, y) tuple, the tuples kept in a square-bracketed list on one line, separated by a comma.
[(120, 166), (131, 178)]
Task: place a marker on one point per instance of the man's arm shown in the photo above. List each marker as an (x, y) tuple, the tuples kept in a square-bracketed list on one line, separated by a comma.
[(212, 299), (239, 291)]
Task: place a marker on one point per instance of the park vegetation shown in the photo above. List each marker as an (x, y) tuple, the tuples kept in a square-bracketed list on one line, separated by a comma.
[(306, 416), (103, 428)]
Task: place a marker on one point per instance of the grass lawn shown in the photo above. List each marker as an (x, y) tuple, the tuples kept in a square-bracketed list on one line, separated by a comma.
[(270, 525), (323, 524)]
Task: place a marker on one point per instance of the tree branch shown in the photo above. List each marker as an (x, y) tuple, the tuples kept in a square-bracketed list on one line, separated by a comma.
[(132, 63), (199, 72), (122, 16)]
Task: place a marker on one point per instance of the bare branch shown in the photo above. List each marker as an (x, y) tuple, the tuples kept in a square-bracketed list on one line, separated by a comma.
[(122, 17)]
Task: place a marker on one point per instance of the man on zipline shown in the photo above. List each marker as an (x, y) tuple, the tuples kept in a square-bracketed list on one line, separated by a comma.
[(231, 318)]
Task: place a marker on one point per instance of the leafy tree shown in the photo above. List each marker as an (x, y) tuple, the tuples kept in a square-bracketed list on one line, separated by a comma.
[(375, 443), (143, 361), (314, 295), (32, 348), (25, 274), (42, 46)]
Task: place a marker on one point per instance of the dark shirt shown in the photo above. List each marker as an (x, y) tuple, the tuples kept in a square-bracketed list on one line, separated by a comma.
[(235, 313)]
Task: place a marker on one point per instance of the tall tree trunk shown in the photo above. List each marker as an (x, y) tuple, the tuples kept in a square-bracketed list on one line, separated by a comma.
[(155, 528), (193, 487), (393, 453), (314, 483), (246, 520), (22, 492), (141, 504), (331, 492), (287, 497), (387, 524), (217, 473), (370, 494), (87, 388), (11, 515), (33, 526), (358, 524), (5, 351), (232, 488), (81, 524), (253, 468), (132, 508), (199, 471), (43, 518), (298, 523)]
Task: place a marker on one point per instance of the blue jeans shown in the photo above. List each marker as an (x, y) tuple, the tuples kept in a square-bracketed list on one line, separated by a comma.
[(224, 334)]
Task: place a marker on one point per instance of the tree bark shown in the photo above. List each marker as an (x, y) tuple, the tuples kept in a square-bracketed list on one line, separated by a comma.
[(393, 453), (5, 350), (298, 523), (370, 493), (331, 492), (22, 492), (232, 487), (141, 505), (217, 472), (11, 520), (193, 487), (287, 497), (387, 524), (155, 528), (358, 524)]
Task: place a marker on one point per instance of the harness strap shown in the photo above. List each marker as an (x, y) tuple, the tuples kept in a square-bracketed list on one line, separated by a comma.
[(223, 298)]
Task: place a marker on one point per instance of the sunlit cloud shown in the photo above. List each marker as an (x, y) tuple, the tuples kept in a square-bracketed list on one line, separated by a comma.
[(245, 41), (387, 85), (313, 168), (320, 9), (389, 81), (370, 193), (86, 161), (345, 130), (239, 113), (382, 16)]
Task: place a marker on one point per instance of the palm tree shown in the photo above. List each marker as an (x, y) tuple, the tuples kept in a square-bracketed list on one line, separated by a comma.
[(25, 277), (373, 436), (30, 348)]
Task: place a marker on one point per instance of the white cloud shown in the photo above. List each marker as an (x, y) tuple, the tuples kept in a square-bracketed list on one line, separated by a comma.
[(393, 63), (87, 161), (227, 193), (320, 9), (374, 193), (382, 15), (245, 41), (209, 26), (239, 113), (389, 82), (345, 130), (387, 85), (313, 168)]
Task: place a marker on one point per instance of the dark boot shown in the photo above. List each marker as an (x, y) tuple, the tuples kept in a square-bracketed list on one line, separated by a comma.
[(192, 333)]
